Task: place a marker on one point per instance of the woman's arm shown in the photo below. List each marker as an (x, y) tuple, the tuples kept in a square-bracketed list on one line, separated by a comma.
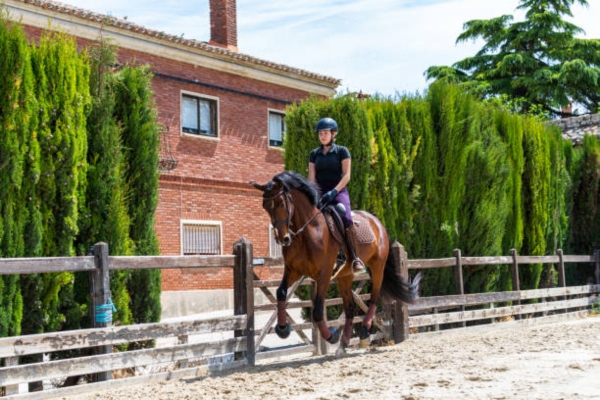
[(346, 171), (311, 172)]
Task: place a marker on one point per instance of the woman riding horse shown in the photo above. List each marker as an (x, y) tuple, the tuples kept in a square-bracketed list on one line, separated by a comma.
[(329, 166), (310, 249)]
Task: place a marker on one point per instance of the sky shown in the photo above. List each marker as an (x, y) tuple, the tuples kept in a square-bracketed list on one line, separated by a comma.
[(373, 46)]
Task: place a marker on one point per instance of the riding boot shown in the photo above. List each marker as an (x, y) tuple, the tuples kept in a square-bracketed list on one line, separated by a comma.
[(358, 267)]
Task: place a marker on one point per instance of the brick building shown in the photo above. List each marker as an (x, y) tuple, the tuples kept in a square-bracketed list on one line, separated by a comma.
[(223, 113)]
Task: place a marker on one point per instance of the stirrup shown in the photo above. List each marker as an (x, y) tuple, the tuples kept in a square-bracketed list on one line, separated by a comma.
[(340, 260), (358, 267), (339, 264)]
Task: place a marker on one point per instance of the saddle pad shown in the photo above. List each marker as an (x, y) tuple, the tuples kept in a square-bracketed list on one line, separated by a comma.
[(364, 234)]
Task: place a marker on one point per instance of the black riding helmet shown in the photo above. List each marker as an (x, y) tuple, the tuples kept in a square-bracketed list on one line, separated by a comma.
[(326, 123)]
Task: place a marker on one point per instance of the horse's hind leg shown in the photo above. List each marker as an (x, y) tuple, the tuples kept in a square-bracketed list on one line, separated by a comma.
[(376, 281), (345, 287), (330, 334)]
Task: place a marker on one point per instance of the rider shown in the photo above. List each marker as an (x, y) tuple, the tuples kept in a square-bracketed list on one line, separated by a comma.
[(329, 168)]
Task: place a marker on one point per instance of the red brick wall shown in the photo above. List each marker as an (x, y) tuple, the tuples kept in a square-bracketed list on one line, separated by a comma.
[(211, 178)]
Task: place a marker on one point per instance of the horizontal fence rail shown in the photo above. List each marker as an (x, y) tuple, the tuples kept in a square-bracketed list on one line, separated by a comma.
[(228, 342)]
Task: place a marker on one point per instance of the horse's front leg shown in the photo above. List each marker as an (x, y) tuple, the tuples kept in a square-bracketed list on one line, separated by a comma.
[(283, 328), (345, 287)]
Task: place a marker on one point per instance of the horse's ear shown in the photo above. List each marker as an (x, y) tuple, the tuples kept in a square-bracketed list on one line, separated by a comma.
[(262, 188)]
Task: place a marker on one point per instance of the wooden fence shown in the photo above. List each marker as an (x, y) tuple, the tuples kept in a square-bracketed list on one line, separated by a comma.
[(229, 342)]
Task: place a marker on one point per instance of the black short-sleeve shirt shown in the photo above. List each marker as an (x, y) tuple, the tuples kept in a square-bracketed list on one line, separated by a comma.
[(328, 167)]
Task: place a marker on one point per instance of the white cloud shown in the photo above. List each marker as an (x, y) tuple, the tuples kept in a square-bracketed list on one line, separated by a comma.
[(375, 46)]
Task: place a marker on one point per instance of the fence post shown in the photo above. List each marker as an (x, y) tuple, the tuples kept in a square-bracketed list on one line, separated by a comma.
[(400, 310), (597, 255), (101, 311), (562, 282), (243, 284), (514, 271), (458, 279), (11, 389)]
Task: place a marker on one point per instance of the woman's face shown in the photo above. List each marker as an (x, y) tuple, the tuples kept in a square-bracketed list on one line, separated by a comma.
[(326, 137)]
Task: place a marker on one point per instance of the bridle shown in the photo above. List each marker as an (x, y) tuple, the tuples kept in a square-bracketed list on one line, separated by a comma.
[(288, 201)]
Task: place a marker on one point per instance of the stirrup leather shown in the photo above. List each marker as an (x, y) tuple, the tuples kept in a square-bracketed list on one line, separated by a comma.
[(358, 267)]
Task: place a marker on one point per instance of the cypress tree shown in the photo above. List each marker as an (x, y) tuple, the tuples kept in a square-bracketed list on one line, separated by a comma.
[(382, 200), (19, 155), (300, 137), (536, 179), (423, 189), (140, 137), (485, 205), (105, 216), (61, 83), (584, 232)]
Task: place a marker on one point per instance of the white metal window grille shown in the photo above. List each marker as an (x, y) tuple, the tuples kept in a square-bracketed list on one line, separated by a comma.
[(200, 238)]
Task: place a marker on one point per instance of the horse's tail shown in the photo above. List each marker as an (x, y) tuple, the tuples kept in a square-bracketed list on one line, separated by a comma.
[(395, 286)]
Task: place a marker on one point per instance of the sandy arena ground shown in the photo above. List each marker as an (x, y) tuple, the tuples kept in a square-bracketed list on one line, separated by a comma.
[(549, 361)]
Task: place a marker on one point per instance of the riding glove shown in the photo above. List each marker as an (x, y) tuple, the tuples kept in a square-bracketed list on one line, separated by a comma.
[(329, 196)]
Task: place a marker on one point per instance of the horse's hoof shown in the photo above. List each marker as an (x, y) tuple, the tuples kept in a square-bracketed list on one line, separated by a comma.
[(340, 352), (335, 335), (283, 331), (364, 336)]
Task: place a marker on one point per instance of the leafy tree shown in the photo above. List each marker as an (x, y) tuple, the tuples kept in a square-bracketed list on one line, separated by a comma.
[(538, 61)]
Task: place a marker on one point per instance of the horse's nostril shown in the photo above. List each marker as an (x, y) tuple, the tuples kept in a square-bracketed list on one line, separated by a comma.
[(286, 240)]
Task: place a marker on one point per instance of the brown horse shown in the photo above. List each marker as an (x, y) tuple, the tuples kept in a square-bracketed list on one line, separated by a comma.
[(310, 249)]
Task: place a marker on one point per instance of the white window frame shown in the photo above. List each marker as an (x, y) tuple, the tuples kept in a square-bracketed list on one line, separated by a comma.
[(282, 127), (187, 222), (213, 101), (275, 249)]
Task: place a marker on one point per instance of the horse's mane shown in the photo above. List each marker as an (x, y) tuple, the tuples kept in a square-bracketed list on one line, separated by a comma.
[(293, 180)]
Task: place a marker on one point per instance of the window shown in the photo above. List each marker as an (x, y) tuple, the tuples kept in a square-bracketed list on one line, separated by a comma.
[(200, 238), (198, 115), (274, 247), (276, 128)]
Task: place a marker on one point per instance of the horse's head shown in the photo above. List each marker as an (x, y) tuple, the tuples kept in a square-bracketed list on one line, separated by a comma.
[(278, 204)]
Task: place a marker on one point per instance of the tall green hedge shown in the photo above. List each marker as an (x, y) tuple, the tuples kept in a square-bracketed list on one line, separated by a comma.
[(79, 148), (444, 171)]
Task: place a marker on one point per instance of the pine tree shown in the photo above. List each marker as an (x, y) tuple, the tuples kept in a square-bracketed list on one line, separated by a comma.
[(538, 61)]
